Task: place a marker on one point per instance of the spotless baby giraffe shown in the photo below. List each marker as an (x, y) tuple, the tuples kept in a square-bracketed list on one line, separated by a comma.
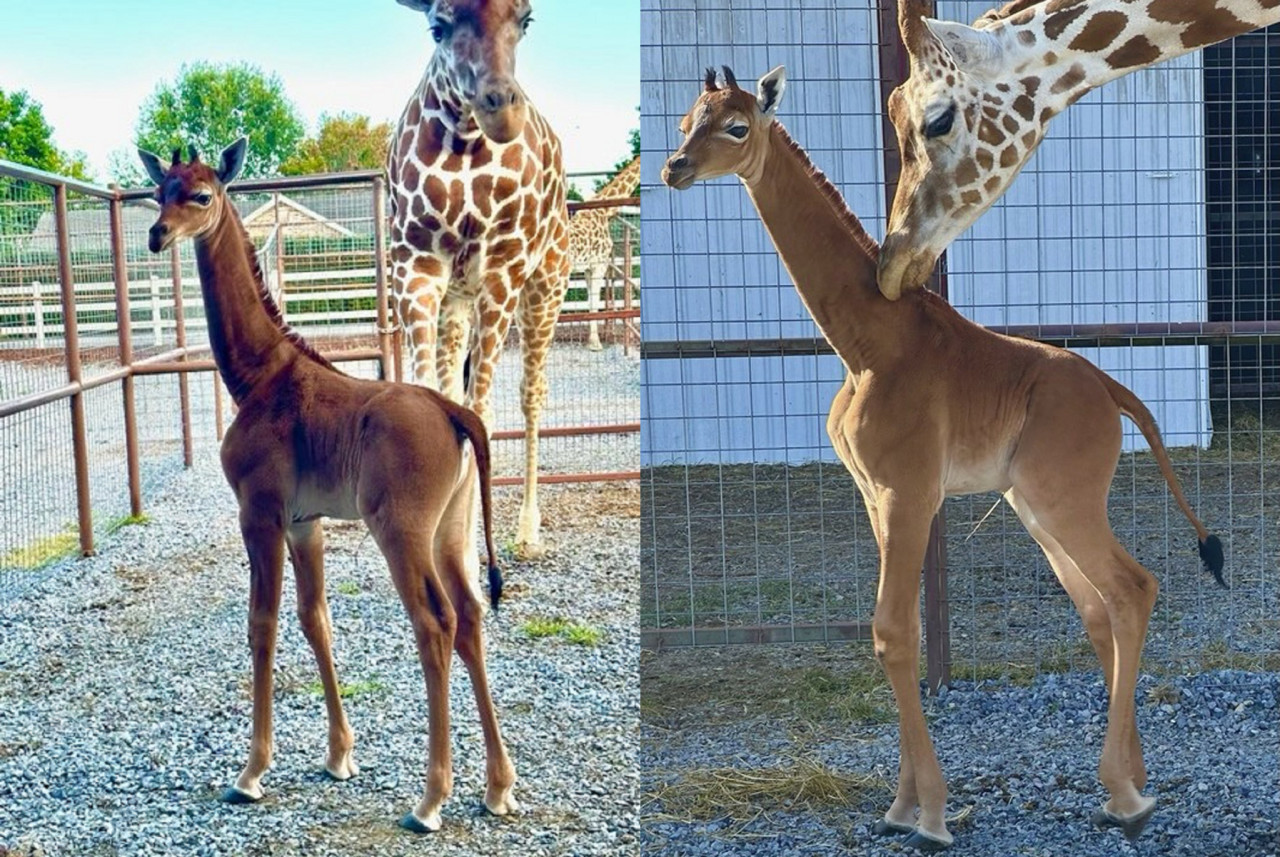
[(309, 441), (934, 405)]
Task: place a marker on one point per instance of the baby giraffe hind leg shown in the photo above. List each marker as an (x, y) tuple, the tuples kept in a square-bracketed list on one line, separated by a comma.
[(460, 582), (407, 544), (1093, 613), (1128, 593), (306, 550)]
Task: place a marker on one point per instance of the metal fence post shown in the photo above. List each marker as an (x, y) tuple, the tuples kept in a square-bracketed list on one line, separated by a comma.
[(894, 68), (157, 320), (184, 388), (124, 332), (389, 372), (71, 345), (37, 305)]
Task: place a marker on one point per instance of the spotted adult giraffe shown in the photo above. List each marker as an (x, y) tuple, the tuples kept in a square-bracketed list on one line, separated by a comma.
[(591, 242), (979, 99), (479, 224)]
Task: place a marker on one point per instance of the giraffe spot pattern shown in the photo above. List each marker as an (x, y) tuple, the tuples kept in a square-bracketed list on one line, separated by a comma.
[(1057, 22), (1073, 78), (989, 133), (1213, 28), (1138, 51), (1009, 157), (1100, 31), (1024, 107)]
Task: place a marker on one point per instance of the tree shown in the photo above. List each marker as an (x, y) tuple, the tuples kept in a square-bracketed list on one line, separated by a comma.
[(344, 142), (210, 106), (633, 140), (26, 138)]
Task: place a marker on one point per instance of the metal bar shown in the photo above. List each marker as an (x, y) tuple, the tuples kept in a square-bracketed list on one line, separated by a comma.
[(183, 366), (564, 478), (615, 202), (1062, 335), (569, 431), (71, 345), (895, 67), (356, 177), (380, 274), (835, 632), (180, 333), (217, 407), (56, 394), (31, 174), (626, 293), (598, 315), (124, 331)]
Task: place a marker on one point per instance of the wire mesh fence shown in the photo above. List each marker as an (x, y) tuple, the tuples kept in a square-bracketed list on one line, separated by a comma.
[(74, 264), (1118, 240)]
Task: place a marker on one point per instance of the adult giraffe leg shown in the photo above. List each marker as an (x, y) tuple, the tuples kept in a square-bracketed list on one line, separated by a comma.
[(593, 305), (1093, 612), (538, 312), (262, 527), (407, 542), (454, 333), (905, 518), (306, 550), (418, 304), (452, 542)]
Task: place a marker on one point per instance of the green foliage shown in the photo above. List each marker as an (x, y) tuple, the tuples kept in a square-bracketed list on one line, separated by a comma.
[(210, 106), (26, 138), (633, 140), (573, 194), (344, 142), (572, 632)]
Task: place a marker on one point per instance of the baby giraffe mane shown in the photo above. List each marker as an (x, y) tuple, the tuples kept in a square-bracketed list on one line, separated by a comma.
[(832, 194)]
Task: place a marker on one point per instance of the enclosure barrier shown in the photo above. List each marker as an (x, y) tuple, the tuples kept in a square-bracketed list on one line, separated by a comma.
[(128, 289)]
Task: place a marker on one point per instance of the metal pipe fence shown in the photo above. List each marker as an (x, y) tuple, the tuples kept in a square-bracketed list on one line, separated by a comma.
[(92, 322), (753, 532)]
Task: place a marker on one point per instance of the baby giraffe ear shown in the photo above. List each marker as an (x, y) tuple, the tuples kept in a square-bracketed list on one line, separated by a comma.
[(154, 168), (232, 160), (973, 50), (769, 90)]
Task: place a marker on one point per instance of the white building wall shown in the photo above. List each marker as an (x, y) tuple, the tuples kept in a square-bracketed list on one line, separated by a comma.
[(1105, 224)]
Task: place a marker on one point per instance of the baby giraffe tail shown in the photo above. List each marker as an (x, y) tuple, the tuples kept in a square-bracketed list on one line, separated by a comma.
[(472, 428), (1132, 407)]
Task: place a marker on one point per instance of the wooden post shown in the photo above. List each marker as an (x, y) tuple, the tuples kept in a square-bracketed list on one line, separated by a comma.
[(895, 66), (124, 333), (279, 278), (385, 338), (71, 347), (626, 291), (157, 325), (180, 324)]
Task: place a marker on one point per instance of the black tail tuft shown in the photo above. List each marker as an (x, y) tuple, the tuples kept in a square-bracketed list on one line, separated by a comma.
[(1211, 556), (495, 584)]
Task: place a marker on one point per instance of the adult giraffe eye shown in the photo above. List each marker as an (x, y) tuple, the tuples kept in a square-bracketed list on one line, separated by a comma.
[(738, 132), (440, 31), (941, 124)]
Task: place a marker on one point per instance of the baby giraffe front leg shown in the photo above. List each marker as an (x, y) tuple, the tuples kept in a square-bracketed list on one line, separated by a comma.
[(306, 550), (262, 526)]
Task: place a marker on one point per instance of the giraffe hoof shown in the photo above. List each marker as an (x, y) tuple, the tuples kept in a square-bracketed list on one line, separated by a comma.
[(501, 805), (922, 841), (527, 551), (885, 827), (1131, 827), (343, 770), (233, 794), (412, 823)]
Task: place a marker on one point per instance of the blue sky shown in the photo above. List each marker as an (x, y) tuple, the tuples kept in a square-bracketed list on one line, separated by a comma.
[(91, 64)]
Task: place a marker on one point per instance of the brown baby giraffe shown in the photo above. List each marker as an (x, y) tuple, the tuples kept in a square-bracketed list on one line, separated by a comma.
[(935, 405), (309, 442)]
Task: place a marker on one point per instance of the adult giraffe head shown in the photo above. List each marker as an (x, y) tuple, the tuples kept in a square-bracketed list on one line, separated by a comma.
[(191, 195), (476, 50), (979, 99)]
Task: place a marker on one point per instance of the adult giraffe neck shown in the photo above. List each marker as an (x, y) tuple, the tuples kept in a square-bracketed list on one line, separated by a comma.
[(830, 257), (246, 332)]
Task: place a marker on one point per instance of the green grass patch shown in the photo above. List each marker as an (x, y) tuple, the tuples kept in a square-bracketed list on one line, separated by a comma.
[(119, 523), (41, 552), (348, 691), (348, 587), (571, 632)]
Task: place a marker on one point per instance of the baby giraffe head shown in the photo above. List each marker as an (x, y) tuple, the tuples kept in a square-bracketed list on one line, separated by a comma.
[(726, 131), (966, 125), (191, 195), (476, 45)]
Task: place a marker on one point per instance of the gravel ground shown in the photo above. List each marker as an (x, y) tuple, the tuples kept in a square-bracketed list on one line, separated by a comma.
[(1021, 762), (124, 704)]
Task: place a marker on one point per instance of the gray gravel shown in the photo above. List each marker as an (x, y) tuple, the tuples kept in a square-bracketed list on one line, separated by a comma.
[(124, 705), (1023, 760)]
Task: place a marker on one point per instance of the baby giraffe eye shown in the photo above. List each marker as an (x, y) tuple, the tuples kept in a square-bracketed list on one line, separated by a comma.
[(940, 125), (525, 22), (736, 131), (202, 199), (441, 30)]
